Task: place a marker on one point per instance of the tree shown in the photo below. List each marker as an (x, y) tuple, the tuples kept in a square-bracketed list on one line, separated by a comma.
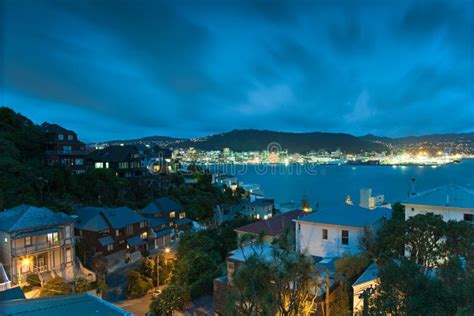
[(82, 286), (424, 239), (174, 297), (251, 293), (148, 269), (138, 285), (55, 287)]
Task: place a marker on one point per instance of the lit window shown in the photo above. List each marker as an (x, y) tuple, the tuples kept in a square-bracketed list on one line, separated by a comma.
[(110, 247), (79, 162), (345, 237), (325, 234), (182, 215), (172, 214), (107, 165), (99, 165), (53, 237), (123, 165), (144, 235), (28, 241)]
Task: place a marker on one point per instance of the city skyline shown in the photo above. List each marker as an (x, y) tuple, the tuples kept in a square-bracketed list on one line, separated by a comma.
[(186, 70)]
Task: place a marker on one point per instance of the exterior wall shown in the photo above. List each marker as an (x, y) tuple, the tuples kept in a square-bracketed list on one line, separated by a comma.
[(448, 213), (309, 237), (163, 242), (358, 303)]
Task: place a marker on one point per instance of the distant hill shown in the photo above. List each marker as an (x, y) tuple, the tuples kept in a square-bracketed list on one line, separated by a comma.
[(256, 140), (433, 138), (161, 140)]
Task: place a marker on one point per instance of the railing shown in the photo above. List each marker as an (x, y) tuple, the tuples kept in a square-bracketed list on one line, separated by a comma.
[(36, 248), (5, 286)]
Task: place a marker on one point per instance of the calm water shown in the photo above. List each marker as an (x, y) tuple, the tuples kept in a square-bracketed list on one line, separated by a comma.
[(329, 184)]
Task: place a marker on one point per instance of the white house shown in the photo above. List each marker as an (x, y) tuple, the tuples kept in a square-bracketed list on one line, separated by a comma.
[(365, 284), (334, 231), (452, 202)]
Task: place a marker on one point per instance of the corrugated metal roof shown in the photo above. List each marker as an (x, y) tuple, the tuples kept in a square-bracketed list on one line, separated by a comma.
[(447, 195), (25, 217), (370, 274), (347, 215), (135, 241), (105, 241)]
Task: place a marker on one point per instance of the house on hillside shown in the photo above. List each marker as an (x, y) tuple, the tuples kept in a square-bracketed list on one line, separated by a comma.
[(259, 208), (124, 160), (64, 148), (111, 230), (332, 232), (364, 286), (165, 217), (452, 202), (271, 228), (36, 240)]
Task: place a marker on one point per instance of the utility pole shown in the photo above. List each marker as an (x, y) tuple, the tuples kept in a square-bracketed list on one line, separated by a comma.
[(158, 271), (327, 292)]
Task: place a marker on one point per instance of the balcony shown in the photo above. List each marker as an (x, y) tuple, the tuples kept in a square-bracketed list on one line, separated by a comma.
[(38, 247)]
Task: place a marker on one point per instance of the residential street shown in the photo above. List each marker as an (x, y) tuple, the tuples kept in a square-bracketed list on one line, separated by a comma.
[(117, 282), (138, 306)]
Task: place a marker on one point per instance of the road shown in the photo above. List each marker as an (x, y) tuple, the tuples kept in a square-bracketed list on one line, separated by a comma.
[(117, 282), (138, 307)]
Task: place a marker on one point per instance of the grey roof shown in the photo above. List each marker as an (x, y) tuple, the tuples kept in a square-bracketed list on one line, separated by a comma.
[(135, 241), (38, 232), (347, 215), (160, 205), (113, 153), (105, 241), (71, 305), (183, 221), (96, 218), (370, 274), (164, 232), (13, 293), (25, 217), (447, 195), (157, 222)]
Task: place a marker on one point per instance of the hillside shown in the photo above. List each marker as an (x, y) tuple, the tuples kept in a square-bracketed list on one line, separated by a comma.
[(256, 140), (433, 138)]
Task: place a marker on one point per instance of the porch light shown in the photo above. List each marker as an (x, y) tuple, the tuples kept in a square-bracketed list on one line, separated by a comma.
[(25, 262), (167, 250)]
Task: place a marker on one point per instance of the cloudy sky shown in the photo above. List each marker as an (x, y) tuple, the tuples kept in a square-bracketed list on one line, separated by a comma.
[(125, 69)]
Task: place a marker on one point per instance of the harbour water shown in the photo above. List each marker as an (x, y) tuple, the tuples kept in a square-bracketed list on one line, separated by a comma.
[(330, 184)]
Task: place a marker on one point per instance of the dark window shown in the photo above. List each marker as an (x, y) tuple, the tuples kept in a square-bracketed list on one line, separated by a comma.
[(345, 237), (469, 218), (325, 234)]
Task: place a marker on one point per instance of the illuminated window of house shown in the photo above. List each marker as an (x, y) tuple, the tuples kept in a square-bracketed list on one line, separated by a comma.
[(172, 214), (79, 162), (345, 237), (144, 235), (53, 237), (99, 165), (28, 241), (325, 234), (182, 215), (107, 165), (123, 165), (110, 247)]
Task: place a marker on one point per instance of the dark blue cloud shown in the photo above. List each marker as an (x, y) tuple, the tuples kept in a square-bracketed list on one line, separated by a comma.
[(188, 68)]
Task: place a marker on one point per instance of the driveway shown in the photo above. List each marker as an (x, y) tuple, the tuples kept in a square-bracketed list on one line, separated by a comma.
[(117, 282), (138, 307)]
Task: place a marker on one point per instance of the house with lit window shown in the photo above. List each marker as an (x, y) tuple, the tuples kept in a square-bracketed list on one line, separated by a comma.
[(334, 231), (451, 202), (111, 230), (166, 218), (124, 160), (260, 208), (62, 147), (36, 240)]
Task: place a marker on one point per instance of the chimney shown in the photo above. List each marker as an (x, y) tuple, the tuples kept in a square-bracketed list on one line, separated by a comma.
[(413, 186)]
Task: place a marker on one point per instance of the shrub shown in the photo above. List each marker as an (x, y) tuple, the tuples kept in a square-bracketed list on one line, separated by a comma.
[(138, 284)]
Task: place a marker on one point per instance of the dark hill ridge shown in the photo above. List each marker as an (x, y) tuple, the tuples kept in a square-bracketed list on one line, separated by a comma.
[(435, 138), (256, 140)]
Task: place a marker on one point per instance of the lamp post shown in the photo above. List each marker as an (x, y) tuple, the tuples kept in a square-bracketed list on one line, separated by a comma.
[(167, 250)]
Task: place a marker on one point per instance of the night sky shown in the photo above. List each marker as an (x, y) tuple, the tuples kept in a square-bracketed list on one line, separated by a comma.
[(126, 69)]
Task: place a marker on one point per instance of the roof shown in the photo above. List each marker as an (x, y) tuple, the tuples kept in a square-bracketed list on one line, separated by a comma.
[(38, 232), (183, 221), (71, 305), (25, 217), (13, 293), (96, 218), (135, 241), (164, 232), (261, 202), (347, 215), (447, 195), (105, 241), (157, 222), (113, 153), (160, 205), (370, 274), (273, 226), (54, 128), (263, 250)]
